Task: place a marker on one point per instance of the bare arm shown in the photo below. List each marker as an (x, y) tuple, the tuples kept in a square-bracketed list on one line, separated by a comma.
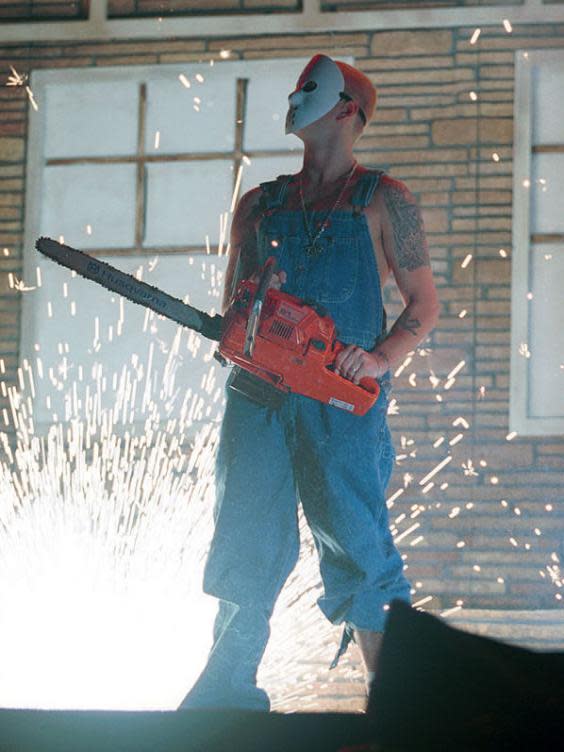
[(407, 253), (243, 258)]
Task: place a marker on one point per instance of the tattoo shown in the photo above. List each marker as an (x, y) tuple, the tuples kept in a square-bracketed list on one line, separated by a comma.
[(410, 244), (383, 355), (409, 323)]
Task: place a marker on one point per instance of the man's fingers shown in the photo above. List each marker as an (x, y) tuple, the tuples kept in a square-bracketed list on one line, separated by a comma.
[(348, 361)]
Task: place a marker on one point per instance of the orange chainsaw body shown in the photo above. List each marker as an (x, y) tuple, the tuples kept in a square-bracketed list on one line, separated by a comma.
[(295, 349)]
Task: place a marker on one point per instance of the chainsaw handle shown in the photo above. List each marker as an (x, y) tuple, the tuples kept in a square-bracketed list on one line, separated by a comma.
[(268, 270), (368, 383)]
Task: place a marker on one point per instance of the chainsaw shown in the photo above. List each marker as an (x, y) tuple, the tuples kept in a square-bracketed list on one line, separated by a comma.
[(289, 343)]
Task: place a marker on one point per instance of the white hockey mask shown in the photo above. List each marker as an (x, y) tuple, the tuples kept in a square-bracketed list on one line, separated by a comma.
[(318, 90)]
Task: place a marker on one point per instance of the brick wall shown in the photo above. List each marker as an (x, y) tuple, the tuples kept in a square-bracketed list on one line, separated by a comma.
[(479, 542)]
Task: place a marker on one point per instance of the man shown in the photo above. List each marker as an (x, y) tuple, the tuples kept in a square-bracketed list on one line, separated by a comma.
[(337, 230)]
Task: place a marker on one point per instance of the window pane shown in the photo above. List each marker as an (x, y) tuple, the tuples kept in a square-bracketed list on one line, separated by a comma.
[(99, 197), (268, 92), (548, 85), (170, 110), (91, 119), (546, 376), (547, 188), (263, 169), (185, 201), (136, 341)]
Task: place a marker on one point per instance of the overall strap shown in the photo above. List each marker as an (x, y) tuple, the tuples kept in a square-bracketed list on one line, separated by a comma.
[(274, 192), (364, 190)]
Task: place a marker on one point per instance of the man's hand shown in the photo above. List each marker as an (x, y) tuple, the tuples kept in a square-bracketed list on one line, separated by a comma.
[(355, 364), (278, 279)]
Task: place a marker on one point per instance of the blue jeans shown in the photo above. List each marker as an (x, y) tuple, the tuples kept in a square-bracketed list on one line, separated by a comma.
[(338, 466)]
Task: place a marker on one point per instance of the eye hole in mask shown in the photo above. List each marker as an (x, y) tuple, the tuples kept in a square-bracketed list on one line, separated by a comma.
[(309, 86)]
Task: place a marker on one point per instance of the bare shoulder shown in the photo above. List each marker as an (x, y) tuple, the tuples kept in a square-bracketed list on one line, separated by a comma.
[(392, 191), (248, 203), (402, 225)]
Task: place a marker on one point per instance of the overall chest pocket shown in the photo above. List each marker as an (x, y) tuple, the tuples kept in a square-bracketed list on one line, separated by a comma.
[(336, 269)]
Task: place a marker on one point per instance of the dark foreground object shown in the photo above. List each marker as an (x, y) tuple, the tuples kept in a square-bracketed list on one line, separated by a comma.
[(182, 731), (438, 689), (441, 688)]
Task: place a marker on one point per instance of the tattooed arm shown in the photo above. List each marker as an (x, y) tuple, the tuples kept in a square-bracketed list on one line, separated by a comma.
[(405, 246)]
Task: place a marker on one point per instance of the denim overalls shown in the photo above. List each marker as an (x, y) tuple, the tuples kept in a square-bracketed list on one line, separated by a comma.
[(336, 464)]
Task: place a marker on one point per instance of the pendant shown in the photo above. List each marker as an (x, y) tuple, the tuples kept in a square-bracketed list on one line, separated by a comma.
[(313, 249)]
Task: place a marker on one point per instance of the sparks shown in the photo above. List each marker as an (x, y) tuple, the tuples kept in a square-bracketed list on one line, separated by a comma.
[(435, 470), (456, 369), (469, 468), (524, 350)]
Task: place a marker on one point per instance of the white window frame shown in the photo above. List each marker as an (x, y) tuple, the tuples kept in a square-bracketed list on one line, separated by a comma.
[(520, 419)]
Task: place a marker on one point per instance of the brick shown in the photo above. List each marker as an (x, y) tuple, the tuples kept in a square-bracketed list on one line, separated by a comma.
[(401, 43), (127, 60), (481, 198), (9, 212), (515, 41), (15, 185), (398, 129), (343, 50), (435, 220), (12, 128), (434, 199), (463, 131), (374, 65), (306, 42), (397, 142), (497, 72), (428, 77), (275, 4), (472, 58), (497, 182), (10, 199), (11, 149), (390, 114), (133, 48), (435, 113), (412, 97)]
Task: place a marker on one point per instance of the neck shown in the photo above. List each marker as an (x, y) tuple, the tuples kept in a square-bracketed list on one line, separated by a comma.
[(323, 164)]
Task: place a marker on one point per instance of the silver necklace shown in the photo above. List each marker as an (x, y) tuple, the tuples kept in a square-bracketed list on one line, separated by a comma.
[(313, 248)]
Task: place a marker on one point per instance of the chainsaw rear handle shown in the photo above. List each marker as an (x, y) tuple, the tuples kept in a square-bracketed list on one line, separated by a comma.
[(267, 273), (256, 309), (371, 385)]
